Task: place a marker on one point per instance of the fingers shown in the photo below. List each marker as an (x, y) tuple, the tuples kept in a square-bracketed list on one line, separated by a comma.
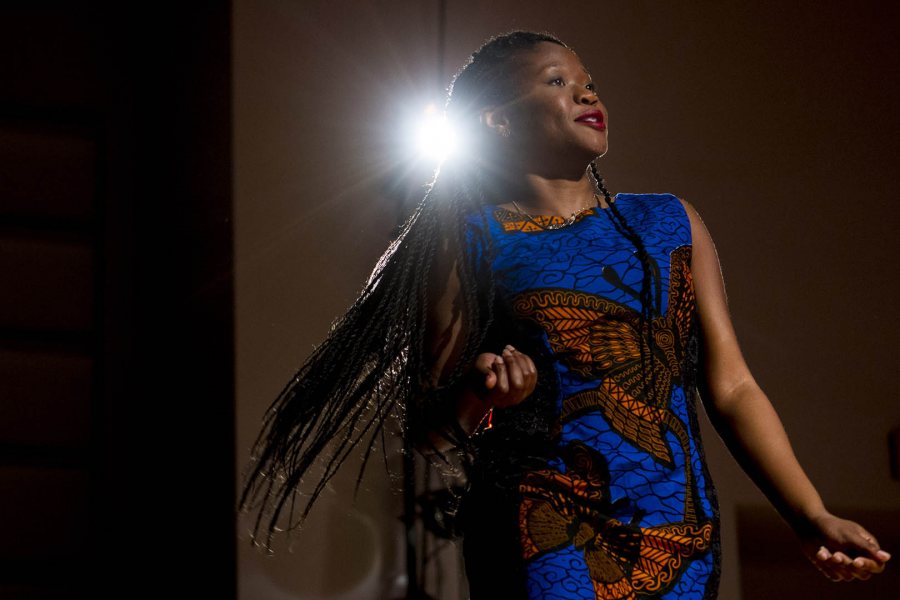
[(843, 565), (500, 368), (867, 542), (490, 380), (513, 368), (530, 371), (847, 552), (838, 566), (834, 566), (509, 377), (484, 362), (868, 557), (522, 372), (866, 567), (491, 366)]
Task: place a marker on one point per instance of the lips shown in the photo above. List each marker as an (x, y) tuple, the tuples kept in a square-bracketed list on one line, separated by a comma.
[(592, 118)]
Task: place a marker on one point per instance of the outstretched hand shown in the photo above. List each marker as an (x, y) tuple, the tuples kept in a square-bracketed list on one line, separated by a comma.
[(842, 550), (508, 378)]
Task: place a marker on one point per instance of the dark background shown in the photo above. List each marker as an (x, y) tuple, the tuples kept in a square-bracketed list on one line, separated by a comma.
[(116, 311), (189, 195)]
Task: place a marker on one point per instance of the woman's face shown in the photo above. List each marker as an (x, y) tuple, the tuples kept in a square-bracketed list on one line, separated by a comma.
[(556, 113)]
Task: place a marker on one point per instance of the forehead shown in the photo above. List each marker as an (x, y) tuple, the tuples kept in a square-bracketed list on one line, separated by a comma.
[(547, 55)]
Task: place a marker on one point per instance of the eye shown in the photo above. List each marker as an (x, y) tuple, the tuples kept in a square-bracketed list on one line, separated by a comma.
[(592, 86), (557, 81)]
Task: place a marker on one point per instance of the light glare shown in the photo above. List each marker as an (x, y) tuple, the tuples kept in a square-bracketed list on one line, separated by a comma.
[(435, 138)]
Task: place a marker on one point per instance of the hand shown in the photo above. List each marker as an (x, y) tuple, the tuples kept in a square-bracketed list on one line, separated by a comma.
[(842, 550), (509, 377)]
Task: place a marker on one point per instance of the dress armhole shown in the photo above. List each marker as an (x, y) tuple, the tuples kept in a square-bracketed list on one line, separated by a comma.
[(683, 204)]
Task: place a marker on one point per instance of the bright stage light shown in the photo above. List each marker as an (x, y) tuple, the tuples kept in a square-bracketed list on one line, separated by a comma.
[(435, 138)]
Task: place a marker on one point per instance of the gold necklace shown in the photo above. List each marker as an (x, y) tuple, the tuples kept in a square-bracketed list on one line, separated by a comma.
[(553, 226)]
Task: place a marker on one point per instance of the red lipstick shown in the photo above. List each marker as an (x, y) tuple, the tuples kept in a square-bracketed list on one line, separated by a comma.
[(592, 118)]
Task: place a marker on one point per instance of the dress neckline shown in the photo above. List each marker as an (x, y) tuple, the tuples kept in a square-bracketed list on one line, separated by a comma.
[(510, 215)]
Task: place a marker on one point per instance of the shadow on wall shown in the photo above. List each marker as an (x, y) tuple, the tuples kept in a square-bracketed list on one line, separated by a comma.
[(350, 565)]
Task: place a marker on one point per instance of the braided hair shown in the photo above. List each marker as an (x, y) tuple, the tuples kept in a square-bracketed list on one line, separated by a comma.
[(650, 293), (374, 367)]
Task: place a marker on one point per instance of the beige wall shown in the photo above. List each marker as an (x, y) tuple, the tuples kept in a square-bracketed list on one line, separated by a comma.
[(779, 124)]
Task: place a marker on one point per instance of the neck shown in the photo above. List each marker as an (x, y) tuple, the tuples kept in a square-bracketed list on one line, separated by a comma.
[(543, 195)]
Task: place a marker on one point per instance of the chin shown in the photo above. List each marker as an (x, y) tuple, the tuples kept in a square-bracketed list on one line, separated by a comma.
[(597, 152), (596, 149)]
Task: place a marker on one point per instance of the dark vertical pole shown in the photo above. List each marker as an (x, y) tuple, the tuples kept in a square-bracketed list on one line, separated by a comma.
[(414, 589), (441, 44), (409, 513)]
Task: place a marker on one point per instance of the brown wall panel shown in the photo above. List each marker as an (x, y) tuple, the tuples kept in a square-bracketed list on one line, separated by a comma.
[(43, 513), (45, 398), (46, 173), (47, 285)]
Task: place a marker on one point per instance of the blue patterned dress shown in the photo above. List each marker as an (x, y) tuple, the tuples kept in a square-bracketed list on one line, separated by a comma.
[(596, 486)]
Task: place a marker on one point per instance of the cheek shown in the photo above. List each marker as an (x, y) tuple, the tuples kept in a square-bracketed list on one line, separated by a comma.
[(544, 117), (555, 116)]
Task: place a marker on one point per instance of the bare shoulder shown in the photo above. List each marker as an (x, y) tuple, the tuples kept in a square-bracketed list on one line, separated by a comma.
[(700, 239), (696, 222)]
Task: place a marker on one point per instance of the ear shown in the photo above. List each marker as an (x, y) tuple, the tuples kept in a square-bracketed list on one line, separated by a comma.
[(495, 119)]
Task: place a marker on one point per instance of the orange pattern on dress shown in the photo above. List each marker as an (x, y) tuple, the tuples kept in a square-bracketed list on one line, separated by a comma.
[(596, 335), (515, 222), (600, 339), (572, 508)]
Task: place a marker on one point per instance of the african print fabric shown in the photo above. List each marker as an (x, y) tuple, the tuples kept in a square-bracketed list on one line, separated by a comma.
[(605, 492)]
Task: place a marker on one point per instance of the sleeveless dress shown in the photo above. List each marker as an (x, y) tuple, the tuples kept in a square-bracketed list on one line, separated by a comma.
[(596, 486)]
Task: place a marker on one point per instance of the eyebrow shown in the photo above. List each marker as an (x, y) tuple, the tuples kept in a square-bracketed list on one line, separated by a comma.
[(545, 67)]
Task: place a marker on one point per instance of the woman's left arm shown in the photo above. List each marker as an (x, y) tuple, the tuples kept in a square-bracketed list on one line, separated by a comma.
[(751, 429)]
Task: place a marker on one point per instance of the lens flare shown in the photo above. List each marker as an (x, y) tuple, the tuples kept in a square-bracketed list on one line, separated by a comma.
[(435, 138)]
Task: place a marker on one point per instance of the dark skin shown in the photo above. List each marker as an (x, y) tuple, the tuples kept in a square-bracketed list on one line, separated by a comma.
[(543, 154)]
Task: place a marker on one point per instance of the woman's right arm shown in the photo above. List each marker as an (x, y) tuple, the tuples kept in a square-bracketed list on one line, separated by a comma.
[(492, 380)]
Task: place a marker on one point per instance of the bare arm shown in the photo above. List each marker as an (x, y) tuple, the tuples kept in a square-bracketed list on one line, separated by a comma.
[(494, 380), (750, 427)]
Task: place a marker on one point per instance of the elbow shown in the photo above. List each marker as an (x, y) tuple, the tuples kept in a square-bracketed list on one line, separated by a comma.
[(724, 400), (433, 443), (433, 433)]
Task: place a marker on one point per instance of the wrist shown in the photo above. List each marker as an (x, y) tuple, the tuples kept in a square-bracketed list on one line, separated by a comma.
[(473, 407), (808, 520)]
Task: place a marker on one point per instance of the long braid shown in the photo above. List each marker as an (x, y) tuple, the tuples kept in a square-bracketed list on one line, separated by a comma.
[(650, 293), (373, 364), (368, 368)]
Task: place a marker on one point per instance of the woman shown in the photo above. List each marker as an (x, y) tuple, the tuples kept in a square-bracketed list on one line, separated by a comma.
[(557, 335)]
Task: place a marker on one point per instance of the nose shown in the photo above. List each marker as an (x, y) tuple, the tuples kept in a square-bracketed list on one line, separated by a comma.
[(586, 96)]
